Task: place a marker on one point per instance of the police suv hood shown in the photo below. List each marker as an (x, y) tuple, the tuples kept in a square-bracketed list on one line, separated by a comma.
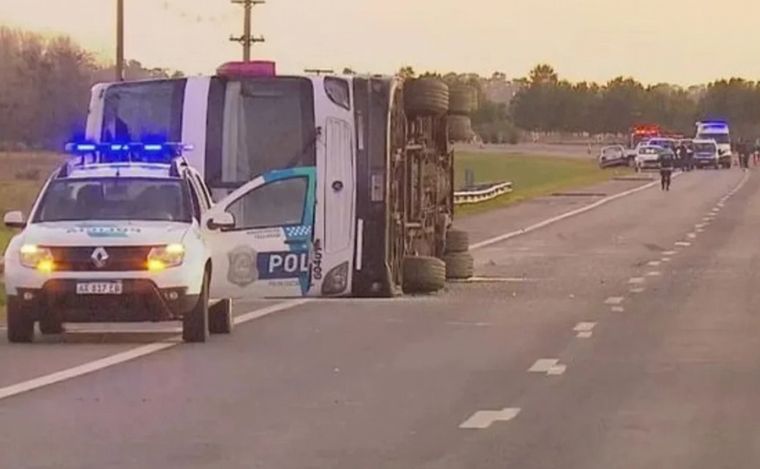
[(105, 233)]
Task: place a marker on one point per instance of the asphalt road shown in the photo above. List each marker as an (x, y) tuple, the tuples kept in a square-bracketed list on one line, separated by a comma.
[(638, 318)]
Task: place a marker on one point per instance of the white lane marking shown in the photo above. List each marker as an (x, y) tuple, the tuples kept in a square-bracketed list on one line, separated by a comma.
[(700, 230), (654, 263), (691, 235), (637, 280), (543, 365), (585, 335), (707, 219), (572, 213), (584, 326), (469, 324), (557, 370), (683, 244), (700, 225), (493, 280), (614, 300), (670, 253), (483, 419), (637, 290), (617, 309), (666, 259), (654, 273), (129, 355)]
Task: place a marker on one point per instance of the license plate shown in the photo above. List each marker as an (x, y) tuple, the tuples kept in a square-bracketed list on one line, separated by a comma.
[(99, 288)]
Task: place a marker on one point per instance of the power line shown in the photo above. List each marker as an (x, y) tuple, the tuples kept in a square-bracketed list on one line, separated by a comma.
[(247, 40)]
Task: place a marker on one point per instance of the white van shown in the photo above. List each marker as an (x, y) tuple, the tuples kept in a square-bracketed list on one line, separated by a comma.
[(718, 131), (326, 185)]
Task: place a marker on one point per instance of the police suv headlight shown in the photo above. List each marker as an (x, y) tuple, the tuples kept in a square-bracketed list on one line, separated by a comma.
[(336, 280), (163, 257), (36, 257)]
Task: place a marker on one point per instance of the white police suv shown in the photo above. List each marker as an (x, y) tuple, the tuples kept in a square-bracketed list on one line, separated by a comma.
[(114, 236)]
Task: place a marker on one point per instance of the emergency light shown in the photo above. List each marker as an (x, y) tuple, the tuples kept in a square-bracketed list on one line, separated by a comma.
[(127, 152)]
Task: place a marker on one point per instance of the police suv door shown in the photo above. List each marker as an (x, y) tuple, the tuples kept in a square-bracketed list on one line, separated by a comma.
[(261, 236)]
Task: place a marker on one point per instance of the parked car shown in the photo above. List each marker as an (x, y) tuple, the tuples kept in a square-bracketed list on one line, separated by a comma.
[(648, 157), (613, 155)]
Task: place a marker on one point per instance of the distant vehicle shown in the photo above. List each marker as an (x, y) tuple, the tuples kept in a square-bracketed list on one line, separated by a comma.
[(642, 133), (706, 154), (718, 131), (648, 156), (613, 155), (668, 143)]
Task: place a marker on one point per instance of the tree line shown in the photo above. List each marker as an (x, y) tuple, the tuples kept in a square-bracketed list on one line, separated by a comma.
[(549, 104), (45, 88)]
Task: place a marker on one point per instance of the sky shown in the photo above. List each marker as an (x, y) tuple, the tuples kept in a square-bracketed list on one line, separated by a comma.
[(675, 41)]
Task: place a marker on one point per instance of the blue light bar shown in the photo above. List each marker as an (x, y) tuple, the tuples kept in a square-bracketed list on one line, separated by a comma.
[(155, 147)]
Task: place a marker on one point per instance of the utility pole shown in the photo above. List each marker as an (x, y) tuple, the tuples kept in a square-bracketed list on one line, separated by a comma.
[(247, 40), (119, 40), (319, 71)]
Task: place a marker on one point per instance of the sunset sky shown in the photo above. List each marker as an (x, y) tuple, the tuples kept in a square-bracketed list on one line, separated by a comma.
[(678, 41)]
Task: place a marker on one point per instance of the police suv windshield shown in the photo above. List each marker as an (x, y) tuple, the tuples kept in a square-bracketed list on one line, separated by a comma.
[(704, 147), (115, 199)]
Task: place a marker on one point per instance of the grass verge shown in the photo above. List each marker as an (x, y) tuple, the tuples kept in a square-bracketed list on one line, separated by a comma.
[(532, 176)]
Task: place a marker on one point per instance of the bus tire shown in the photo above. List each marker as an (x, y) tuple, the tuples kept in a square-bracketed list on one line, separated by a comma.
[(459, 265), (457, 241), (460, 128), (423, 274), (460, 100), (426, 97)]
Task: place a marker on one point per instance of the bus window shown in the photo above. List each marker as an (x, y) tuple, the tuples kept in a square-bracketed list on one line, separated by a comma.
[(133, 111), (267, 124)]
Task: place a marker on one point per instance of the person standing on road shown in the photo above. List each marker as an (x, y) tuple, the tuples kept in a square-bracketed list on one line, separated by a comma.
[(667, 164)]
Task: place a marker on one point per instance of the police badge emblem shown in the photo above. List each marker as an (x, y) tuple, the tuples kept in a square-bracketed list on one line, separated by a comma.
[(242, 270)]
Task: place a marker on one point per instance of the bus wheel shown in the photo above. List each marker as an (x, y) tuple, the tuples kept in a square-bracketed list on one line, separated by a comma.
[(423, 274), (459, 265), (457, 241), (426, 96)]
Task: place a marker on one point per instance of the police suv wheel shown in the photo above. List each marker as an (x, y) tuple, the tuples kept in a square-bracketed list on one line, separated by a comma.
[(220, 317), (459, 265), (423, 274), (50, 324), (457, 241), (426, 96), (195, 321), (20, 323)]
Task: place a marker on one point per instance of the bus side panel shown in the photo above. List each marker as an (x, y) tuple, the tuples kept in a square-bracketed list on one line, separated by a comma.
[(372, 276)]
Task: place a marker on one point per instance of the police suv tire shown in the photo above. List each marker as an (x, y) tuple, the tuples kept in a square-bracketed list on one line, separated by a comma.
[(50, 324), (220, 317), (459, 265), (195, 321), (426, 97), (20, 324), (460, 100), (457, 241), (423, 274)]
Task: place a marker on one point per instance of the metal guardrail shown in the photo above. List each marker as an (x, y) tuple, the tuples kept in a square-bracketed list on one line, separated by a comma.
[(481, 193)]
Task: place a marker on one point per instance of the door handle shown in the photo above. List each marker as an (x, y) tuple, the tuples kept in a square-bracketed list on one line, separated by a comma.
[(337, 186)]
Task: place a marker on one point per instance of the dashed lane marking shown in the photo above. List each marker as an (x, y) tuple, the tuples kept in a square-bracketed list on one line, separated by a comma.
[(670, 253), (483, 419), (654, 273), (666, 259), (691, 235), (585, 335), (637, 290), (614, 300), (683, 244), (557, 370), (654, 263), (584, 327), (618, 309), (637, 280), (129, 355)]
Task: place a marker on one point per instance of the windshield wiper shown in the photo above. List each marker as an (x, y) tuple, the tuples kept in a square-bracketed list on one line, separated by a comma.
[(293, 162)]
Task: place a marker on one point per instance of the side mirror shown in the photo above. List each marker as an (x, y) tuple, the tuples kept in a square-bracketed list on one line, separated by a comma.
[(721, 152), (14, 220), (222, 221)]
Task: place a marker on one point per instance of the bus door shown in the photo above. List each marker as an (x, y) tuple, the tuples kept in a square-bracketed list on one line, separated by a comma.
[(261, 236)]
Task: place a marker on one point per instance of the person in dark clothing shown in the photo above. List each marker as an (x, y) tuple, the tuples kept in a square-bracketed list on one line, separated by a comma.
[(742, 150), (667, 164)]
